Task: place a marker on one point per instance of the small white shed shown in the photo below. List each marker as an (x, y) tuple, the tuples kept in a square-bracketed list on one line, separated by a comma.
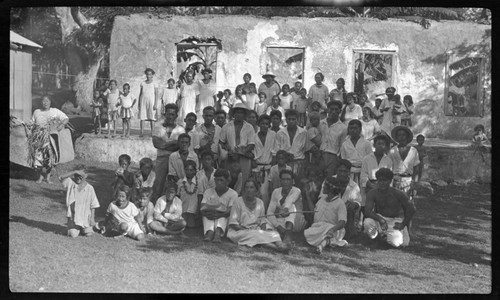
[(21, 50)]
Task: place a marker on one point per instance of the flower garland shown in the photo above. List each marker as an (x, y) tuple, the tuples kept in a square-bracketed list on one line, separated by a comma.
[(186, 189)]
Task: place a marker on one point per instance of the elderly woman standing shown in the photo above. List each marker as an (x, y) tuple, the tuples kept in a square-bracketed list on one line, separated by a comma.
[(208, 92), (46, 121)]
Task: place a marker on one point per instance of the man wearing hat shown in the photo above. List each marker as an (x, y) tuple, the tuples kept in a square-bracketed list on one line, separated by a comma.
[(238, 138), (404, 159), (270, 87)]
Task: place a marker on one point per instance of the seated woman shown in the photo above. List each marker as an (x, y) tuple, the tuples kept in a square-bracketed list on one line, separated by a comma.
[(329, 218), (248, 224)]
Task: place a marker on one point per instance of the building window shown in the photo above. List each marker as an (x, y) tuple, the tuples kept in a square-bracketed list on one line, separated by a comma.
[(374, 71), (464, 92), (196, 54), (287, 63)]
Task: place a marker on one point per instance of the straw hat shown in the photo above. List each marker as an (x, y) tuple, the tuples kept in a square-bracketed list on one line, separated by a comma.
[(269, 73), (406, 129), (240, 105)]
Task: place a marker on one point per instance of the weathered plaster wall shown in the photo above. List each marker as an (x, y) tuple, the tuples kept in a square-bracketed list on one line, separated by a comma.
[(140, 41)]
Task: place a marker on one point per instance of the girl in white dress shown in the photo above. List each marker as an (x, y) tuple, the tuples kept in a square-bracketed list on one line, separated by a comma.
[(147, 100), (170, 95), (189, 95), (113, 95), (127, 102), (208, 90)]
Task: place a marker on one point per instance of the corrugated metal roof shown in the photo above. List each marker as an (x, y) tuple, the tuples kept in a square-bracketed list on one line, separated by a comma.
[(17, 39)]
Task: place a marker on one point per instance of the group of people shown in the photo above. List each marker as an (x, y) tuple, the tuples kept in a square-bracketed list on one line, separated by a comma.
[(192, 96), (309, 162)]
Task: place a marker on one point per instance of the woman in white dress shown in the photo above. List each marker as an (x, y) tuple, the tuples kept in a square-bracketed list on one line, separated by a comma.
[(208, 91), (370, 127), (248, 223), (189, 94), (147, 100)]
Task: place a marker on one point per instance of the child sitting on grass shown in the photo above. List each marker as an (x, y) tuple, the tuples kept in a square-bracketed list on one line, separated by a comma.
[(187, 188), (146, 209), (81, 202), (168, 212), (145, 177), (122, 217), (122, 175)]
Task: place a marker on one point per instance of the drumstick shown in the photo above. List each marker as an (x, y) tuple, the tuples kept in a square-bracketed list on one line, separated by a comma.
[(292, 212)]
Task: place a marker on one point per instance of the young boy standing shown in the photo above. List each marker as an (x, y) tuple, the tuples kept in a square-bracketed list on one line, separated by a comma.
[(81, 202)]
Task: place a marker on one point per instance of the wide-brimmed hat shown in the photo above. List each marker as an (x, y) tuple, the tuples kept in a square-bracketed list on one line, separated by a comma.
[(269, 73), (409, 133), (240, 105)]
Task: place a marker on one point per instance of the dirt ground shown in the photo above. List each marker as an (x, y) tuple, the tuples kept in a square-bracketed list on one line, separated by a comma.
[(450, 251)]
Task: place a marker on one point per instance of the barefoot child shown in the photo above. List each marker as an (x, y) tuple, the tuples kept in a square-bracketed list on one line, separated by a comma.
[(285, 97), (127, 102), (216, 207), (329, 218), (261, 107), (422, 152), (147, 99), (122, 175), (122, 217), (113, 95), (479, 140), (81, 202), (187, 191), (170, 95), (145, 177), (301, 104), (146, 208), (168, 212), (97, 107)]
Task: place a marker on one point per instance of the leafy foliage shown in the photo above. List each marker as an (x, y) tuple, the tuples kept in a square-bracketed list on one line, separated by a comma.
[(205, 56)]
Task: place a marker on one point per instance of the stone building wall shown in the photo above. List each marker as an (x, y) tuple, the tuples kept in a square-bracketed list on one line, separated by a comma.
[(141, 41)]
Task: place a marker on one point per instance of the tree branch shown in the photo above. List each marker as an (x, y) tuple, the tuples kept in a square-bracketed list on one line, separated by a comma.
[(78, 16)]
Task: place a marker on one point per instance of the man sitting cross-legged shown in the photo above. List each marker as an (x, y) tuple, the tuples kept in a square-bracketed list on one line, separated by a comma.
[(383, 205), (216, 206)]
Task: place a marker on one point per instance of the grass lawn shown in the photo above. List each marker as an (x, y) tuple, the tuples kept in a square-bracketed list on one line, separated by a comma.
[(450, 252)]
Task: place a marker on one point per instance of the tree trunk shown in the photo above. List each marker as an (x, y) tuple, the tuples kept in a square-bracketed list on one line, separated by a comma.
[(77, 62)]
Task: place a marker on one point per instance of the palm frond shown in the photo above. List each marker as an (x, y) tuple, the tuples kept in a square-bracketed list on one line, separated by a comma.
[(465, 77), (465, 63)]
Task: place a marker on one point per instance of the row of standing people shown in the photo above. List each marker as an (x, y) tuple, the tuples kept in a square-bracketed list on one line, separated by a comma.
[(193, 96)]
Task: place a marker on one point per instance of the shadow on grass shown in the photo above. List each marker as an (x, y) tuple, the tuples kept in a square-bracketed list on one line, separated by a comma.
[(47, 227), (21, 172)]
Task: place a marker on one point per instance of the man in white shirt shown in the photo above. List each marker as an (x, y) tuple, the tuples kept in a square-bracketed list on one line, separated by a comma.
[(238, 138), (292, 139), (333, 134)]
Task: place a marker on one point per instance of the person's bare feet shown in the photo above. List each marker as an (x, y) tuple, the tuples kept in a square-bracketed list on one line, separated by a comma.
[(217, 238), (208, 236)]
